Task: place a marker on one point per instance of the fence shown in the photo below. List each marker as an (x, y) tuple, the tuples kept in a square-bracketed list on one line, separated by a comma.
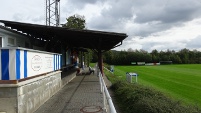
[(108, 104)]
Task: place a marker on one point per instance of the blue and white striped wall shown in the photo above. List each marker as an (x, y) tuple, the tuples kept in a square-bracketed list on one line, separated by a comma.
[(57, 62), (14, 64)]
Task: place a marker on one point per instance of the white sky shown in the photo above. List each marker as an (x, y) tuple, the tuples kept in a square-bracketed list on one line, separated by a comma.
[(152, 24)]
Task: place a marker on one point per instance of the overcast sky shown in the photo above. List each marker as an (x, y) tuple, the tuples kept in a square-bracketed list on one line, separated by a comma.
[(149, 24)]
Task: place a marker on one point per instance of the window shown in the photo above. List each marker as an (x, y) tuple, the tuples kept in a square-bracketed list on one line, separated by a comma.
[(0, 41), (26, 44), (11, 41)]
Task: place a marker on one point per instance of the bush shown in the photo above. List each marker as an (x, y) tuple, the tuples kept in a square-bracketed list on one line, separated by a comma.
[(135, 98), (107, 66)]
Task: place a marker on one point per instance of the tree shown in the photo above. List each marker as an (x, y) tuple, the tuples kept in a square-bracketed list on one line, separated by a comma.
[(108, 57), (76, 22), (130, 50), (155, 56), (184, 55)]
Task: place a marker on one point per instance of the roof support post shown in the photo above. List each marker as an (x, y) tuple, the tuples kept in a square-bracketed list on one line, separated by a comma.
[(84, 59), (88, 59), (81, 62), (100, 57), (63, 51), (100, 61)]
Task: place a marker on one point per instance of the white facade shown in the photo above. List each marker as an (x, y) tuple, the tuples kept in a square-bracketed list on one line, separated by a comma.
[(11, 38), (38, 70)]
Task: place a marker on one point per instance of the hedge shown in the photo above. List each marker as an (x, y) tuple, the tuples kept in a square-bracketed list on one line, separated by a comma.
[(136, 98)]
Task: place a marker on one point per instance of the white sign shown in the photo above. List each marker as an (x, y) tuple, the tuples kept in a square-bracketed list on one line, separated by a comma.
[(130, 75), (36, 63), (39, 63)]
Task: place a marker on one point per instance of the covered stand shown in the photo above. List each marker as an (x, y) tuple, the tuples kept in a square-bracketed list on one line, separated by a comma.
[(57, 38)]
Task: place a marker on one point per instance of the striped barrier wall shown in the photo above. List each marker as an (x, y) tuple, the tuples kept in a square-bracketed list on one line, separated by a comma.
[(19, 63)]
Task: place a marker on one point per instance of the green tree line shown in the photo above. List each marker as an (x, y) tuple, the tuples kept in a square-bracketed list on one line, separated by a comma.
[(184, 56)]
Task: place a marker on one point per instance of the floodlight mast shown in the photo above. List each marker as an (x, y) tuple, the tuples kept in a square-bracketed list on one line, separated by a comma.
[(52, 12)]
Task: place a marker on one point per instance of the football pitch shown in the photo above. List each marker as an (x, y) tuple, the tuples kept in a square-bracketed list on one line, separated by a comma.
[(181, 82)]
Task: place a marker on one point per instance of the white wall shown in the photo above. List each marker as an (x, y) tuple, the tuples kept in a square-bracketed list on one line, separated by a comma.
[(18, 39)]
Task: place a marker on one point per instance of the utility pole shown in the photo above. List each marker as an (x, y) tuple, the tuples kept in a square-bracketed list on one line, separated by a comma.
[(52, 12)]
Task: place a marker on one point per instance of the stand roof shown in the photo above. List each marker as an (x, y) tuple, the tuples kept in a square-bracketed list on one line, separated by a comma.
[(96, 40)]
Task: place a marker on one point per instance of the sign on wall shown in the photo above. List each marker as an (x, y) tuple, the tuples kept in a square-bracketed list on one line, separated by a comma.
[(18, 63), (38, 63)]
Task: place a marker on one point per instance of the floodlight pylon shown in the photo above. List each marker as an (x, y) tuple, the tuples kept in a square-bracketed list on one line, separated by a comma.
[(52, 12)]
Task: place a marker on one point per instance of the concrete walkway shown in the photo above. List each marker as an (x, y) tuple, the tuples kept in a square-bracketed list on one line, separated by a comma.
[(81, 95)]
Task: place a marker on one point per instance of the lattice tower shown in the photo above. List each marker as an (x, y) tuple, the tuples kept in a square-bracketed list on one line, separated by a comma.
[(52, 12)]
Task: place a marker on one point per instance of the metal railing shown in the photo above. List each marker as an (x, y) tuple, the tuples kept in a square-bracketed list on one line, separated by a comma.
[(108, 104)]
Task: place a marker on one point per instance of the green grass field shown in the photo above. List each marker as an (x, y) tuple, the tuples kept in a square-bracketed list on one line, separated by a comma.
[(181, 82)]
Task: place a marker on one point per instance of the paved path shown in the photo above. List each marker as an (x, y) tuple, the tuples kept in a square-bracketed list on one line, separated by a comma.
[(81, 95)]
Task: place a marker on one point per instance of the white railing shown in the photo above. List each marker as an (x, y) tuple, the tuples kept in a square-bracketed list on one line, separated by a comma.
[(108, 104), (108, 70)]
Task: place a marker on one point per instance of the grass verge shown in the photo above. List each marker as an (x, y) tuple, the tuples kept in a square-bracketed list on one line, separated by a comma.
[(136, 98)]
